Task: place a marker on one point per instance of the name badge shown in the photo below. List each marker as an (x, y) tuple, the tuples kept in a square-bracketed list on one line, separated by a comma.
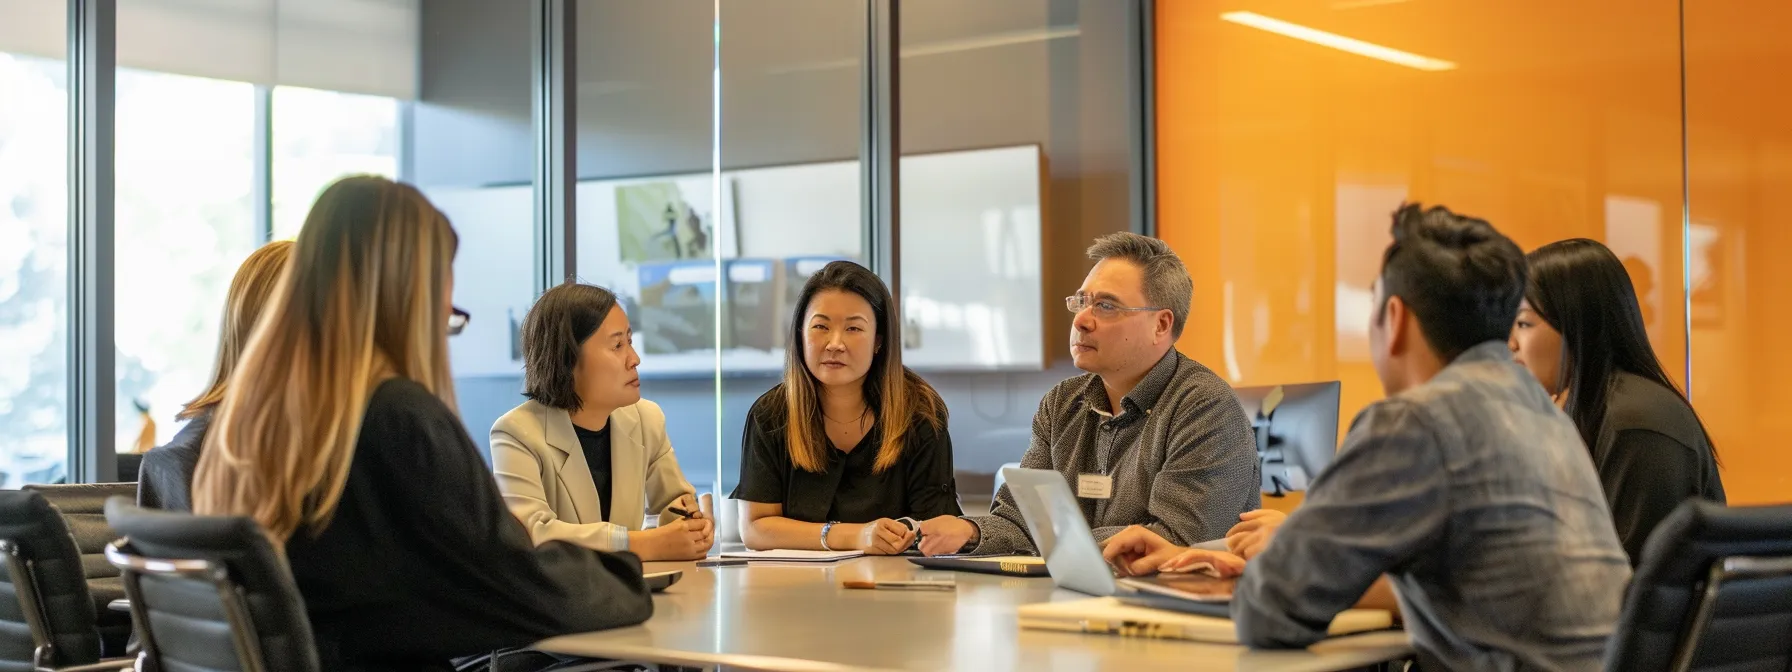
[(1094, 486)]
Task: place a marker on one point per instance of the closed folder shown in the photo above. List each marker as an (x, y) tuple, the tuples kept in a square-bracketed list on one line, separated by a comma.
[(1106, 615), (1005, 565)]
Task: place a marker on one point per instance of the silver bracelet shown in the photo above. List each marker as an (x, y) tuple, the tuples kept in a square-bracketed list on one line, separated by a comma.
[(825, 528)]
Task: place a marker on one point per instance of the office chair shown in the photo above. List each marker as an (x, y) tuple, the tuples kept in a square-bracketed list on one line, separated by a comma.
[(47, 616), (209, 593), (83, 509), (130, 467), (1713, 592)]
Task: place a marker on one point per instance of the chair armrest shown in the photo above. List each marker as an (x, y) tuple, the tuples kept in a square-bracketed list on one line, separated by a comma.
[(107, 665)]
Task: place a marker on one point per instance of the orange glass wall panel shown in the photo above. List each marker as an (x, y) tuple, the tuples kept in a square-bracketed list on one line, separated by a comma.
[(1739, 141), (1279, 159)]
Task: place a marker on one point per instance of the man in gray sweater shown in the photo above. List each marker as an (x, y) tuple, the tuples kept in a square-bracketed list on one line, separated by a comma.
[(1146, 437)]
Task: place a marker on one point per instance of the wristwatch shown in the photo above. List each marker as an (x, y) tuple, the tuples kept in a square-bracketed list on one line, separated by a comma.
[(825, 528)]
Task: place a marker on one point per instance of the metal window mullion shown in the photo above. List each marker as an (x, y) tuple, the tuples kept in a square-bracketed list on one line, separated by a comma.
[(263, 195), (554, 107), (1142, 80), (92, 379), (880, 143)]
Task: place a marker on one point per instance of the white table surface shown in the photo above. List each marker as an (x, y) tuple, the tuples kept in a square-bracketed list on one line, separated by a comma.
[(780, 617)]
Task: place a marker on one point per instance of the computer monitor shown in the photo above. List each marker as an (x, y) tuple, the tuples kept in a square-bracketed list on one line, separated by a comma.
[(1297, 437)]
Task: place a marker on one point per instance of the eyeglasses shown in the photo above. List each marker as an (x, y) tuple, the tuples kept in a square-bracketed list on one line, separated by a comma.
[(457, 321), (1104, 308)]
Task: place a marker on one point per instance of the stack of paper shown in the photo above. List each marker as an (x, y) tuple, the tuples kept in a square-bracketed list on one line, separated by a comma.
[(794, 556)]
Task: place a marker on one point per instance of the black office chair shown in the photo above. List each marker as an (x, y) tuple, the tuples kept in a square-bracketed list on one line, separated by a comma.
[(48, 620), (83, 508), (130, 467), (209, 593), (1713, 592)]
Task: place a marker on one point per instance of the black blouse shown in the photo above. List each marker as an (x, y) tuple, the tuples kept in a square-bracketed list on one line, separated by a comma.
[(165, 480), (422, 563), (1651, 454), (920, 485), (596, 445)]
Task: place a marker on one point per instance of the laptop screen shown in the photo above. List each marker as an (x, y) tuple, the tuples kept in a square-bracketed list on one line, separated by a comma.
[(1056, 523)]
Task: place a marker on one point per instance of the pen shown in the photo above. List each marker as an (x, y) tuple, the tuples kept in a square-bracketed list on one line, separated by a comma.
[(721, 562), (900, 585), (681, 513)]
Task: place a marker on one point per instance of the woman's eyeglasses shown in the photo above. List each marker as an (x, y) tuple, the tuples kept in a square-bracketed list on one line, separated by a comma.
[(1104, 309), (457, 321)]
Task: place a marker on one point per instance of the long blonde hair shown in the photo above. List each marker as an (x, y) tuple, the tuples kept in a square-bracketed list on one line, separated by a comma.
[(893, 393), (364, 301), (243, 304)]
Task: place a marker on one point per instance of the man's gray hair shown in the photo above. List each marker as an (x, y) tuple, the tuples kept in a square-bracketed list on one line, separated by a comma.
[(1167, 284)]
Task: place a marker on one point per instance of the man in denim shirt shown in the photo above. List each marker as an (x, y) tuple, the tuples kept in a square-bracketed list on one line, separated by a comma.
[(1466, 489)]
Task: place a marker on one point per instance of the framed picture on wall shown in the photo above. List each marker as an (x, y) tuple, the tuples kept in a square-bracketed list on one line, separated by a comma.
[(673, 220)]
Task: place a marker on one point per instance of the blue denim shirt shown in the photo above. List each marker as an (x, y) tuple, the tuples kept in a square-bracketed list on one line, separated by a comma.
[(1477, 498)]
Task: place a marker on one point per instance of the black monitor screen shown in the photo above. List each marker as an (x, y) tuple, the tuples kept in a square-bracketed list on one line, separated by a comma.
[(1298, 437)]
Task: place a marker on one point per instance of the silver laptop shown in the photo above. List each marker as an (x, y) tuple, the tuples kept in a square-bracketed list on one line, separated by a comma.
[(1068, 546)]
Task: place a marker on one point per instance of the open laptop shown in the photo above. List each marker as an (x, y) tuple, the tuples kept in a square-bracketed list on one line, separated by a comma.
[(1074, 558)]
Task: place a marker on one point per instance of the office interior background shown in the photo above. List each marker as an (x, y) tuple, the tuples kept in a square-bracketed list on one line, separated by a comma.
[(718, 151)]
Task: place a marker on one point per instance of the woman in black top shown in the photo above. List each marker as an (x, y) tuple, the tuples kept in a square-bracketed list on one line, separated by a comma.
[(165, 480), (1580, 332), (852, 441), (338, 435)]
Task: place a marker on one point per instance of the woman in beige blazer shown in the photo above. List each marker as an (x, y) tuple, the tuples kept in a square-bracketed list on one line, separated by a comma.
[(586, 457)]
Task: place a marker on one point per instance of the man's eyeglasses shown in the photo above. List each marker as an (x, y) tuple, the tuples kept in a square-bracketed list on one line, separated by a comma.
[(457, 321), (1105, 309)]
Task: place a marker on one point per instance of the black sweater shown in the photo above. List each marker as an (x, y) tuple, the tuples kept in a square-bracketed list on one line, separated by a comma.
[(1651, 455), (422, 563), (165, 481)]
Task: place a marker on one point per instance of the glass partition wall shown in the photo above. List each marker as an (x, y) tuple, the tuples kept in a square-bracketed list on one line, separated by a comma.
[(714, 155)]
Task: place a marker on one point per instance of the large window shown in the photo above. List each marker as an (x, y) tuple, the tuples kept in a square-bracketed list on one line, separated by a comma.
[(33, 269), (717, 166), (215, 152), (319, 136), (185, 218)]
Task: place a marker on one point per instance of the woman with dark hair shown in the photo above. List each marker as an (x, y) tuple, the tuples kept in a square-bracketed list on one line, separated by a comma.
[(1580, 332), (586, 457), (852, 447)]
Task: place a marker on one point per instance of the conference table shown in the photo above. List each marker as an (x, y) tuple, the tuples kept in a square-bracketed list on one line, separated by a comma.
[(798, 617)]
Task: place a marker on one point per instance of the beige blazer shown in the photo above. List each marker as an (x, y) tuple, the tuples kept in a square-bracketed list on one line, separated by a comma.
[(546, 483)]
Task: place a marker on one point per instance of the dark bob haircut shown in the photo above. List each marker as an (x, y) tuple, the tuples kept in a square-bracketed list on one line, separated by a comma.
[(553, 332)]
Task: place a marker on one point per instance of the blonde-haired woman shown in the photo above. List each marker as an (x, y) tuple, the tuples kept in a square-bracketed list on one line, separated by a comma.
[(339, 435), (851, 449), (166, 478)]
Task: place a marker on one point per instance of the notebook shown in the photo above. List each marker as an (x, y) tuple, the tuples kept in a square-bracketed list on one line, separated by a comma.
[(794, 556), (1005, 565), (1106, 615)]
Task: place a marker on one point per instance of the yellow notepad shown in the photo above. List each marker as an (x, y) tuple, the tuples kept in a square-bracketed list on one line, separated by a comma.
[(1106, 615)]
